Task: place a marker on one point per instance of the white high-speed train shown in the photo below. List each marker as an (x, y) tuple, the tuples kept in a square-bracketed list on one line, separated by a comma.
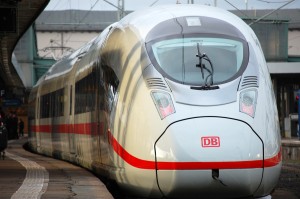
[(170, 102)]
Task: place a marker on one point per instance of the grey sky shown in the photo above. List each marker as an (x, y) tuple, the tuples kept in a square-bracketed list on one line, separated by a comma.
[(138, 4)]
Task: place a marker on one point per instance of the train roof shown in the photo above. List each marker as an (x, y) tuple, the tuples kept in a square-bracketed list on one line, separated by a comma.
[(144, 21), (65, 64)]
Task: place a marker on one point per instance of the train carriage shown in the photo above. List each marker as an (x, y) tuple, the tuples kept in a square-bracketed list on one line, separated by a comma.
[(170, 102)]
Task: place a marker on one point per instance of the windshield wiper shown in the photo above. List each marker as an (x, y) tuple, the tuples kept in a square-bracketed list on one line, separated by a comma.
[(203, 67)]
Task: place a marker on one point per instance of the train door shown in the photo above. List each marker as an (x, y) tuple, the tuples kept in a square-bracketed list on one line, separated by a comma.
[(108, 95), (37, 123), (94, 116), (70, 122)]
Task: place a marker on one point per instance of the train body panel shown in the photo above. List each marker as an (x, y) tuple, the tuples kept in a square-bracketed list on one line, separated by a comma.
[(172, 101), (201, 182), (208, 145)]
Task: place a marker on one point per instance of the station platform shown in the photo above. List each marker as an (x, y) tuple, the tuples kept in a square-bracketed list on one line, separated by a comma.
[(27, 175), (290, 149)]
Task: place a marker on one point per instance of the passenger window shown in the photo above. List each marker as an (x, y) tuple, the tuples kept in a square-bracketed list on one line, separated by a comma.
[(52, 104), (109, 83), (85, 94)]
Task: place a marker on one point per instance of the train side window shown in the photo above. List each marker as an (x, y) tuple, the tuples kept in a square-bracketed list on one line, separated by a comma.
[(39, 108), (71, 92), (109, 84), (52, 104), (44, 106), (60, 102), (85, 94)]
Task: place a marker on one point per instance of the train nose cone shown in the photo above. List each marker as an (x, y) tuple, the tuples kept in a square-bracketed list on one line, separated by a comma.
[(215, 157)]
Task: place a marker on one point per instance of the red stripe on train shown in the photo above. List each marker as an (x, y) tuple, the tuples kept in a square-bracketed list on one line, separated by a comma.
[(90, 128), (145, 164), (83, 128)]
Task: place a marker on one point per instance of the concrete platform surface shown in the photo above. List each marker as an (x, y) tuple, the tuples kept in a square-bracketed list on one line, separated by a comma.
[(27, 175)]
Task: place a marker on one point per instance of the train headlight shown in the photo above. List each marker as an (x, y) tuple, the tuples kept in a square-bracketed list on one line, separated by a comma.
[(248, 102), (163, 103)]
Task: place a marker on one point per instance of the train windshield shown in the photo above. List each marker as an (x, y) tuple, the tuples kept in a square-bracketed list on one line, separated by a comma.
[(179, 58)]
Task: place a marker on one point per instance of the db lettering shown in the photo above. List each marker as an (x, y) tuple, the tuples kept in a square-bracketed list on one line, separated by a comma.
[(212, 141)]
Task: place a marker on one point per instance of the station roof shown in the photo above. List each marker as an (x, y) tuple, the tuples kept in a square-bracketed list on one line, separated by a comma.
[(75, 20), (290, 16), (83, 20), (15, 17)]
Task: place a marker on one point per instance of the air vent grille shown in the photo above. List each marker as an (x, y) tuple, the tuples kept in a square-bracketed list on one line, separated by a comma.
[(156, 83), (249, 81)]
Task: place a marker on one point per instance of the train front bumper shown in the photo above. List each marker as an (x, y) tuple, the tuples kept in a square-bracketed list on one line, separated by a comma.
[(210, 156)]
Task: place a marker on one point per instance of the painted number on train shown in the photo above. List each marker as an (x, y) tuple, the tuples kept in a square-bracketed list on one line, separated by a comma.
[(210, 141)]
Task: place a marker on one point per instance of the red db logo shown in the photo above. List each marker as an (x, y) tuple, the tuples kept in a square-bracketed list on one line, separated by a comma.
[(211, 141)]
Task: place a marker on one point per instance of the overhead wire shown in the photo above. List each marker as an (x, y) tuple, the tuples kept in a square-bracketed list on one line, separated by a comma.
[(82, 19), (50, 13), (92, 7), (288, 2), (264, 16)]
